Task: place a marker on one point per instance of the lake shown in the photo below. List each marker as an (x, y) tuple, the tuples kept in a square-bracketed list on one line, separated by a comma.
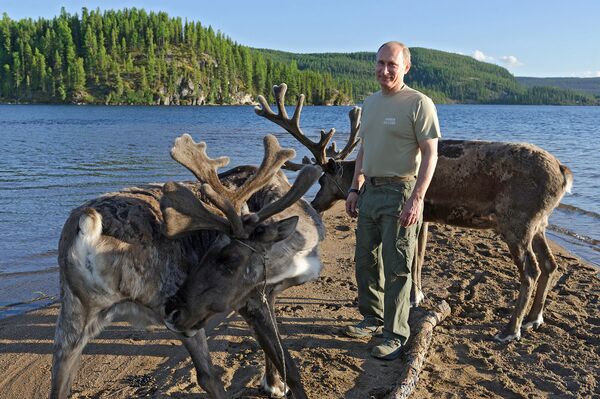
[(53, 158)]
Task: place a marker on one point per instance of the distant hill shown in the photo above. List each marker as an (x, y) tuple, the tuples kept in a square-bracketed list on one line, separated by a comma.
[(355, 68), (446, 77), (132, 56), (585, 85)]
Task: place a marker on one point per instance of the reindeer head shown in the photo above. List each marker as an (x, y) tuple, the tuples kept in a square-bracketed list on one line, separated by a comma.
[(235, 263), (334, 184), (229, 271), (337, 173)]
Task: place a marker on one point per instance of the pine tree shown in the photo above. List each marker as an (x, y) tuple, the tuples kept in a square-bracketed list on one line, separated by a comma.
[(260, 75), (127, 55)]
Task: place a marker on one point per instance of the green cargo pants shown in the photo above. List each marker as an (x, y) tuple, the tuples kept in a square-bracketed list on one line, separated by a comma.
[(384, 289)]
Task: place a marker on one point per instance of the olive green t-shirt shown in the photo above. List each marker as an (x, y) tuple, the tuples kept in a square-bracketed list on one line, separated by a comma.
[(391, 129)]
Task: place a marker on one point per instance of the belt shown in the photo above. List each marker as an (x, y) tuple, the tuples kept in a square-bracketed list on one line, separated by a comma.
[(379, 181)]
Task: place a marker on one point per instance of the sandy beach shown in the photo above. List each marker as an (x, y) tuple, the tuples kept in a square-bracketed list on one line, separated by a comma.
[(470, 269)]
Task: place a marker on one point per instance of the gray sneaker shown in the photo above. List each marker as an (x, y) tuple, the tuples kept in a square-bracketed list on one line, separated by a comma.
[(365, 328), (390, 349)]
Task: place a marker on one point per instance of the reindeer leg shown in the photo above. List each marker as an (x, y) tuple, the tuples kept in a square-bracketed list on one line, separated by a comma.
[(76, 325), (529, 272), (416, 293), (271, 382), (548, 268), (257, 315), (197, 346)]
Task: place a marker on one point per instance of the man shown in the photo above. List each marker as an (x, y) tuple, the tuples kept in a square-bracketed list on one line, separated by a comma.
[(399, 132)]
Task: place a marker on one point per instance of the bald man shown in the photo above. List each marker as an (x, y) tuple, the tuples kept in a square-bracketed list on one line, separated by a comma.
[(394, 166)]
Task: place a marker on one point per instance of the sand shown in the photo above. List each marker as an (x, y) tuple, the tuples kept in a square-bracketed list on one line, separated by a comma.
[(470, 269)]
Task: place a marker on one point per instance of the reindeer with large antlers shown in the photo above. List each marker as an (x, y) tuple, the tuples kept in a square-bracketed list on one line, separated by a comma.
[(183, 253), (338, 172), (511, 188)]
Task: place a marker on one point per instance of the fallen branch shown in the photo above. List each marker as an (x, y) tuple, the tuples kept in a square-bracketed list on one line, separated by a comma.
[(417, 349)]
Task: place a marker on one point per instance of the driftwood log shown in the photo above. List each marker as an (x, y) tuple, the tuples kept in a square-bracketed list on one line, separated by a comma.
[(417, 349)]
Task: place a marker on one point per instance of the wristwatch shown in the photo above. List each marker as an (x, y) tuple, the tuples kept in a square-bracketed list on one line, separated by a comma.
[(353, 190)]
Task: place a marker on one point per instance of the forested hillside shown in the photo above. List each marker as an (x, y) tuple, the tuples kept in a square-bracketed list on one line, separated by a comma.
[(132, 56), (445, 77), (585, 85)]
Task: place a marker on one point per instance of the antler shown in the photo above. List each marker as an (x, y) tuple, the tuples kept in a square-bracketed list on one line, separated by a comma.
[(193, 156), (183, 212), (294, 167), (307, 177), (332, 152), (293, 125)]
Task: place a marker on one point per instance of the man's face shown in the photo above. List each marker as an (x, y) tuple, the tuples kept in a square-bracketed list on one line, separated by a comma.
[(390, 68)]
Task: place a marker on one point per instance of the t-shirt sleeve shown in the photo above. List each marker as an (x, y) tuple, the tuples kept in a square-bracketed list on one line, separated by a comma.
[(362, 113), (426, 124)]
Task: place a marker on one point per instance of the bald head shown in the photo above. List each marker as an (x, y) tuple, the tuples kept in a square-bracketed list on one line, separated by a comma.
[(393, 62), (397, 45)]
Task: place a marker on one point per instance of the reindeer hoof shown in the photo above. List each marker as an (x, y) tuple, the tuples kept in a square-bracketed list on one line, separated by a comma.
[(535, 324), (419, 297), (274, 391), (503, 337)]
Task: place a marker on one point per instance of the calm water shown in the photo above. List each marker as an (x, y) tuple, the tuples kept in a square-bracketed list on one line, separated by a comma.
[(53, 158)]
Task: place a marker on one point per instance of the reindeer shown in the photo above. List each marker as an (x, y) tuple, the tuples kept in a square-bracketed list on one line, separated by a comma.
[(182, 253), (511, 188)]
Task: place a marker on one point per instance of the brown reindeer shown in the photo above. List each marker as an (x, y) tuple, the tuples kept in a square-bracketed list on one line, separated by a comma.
[(183, 253), (511, 188)]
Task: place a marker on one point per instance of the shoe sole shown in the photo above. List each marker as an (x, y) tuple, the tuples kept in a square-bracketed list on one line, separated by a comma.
[(351, 335), (393, 356), (390, 356), (359, 335)]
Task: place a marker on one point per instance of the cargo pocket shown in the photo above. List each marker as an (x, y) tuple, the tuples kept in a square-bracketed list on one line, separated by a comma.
[(407, 189), (405, 252), (406, 241)]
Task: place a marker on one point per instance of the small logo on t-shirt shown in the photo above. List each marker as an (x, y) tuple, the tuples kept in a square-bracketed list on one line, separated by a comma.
[(389, 121)]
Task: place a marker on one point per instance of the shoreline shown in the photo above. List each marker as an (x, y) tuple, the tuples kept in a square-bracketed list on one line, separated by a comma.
[(12, 288), (256, 103), (252, 104), (470, 269)]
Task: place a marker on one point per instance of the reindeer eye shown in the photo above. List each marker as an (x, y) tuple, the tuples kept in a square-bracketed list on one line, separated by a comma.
[(228, 261)]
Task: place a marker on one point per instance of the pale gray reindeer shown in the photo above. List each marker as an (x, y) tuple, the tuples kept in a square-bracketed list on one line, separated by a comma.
[(511, 188), (183, 253)]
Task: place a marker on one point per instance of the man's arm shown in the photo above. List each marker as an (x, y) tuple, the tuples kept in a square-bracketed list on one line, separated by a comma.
[(357, 182), (414, 204)]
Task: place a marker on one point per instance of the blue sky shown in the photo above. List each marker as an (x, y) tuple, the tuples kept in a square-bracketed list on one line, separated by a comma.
[(528, 37)]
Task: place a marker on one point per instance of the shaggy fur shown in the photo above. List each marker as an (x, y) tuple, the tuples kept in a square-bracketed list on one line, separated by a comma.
[(509, 187), (115, 259)]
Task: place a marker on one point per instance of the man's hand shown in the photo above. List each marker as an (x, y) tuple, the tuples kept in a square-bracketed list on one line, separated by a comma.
[(410, 211), (413, 206), (351, 201)]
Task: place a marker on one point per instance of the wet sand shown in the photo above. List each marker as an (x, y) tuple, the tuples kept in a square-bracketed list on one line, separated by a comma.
[(470, 269)]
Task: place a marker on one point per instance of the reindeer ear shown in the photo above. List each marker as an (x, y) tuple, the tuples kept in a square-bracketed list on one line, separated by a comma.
[(286, 227), (276, 231), (330, 166)]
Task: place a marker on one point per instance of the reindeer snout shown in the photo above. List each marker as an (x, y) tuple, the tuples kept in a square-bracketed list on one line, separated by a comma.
[(190, 333)]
